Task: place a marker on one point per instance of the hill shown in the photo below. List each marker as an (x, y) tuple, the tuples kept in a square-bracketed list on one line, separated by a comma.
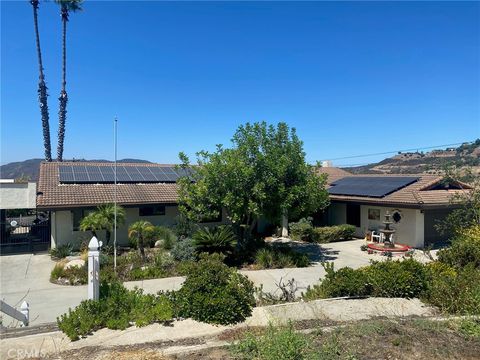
[(433, 162), (30, 168)]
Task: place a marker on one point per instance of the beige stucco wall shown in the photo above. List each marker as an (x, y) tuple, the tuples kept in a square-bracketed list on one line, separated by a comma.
[(62, 226), (409, 231), (18, 195)]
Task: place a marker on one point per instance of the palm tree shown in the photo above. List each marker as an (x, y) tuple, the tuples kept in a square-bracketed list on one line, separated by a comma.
[(42, 87), (140, 232), (92, 222), (106, 214), (66, 6)]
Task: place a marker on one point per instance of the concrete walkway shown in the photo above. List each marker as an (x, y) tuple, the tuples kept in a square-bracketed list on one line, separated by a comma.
[(26, 277)]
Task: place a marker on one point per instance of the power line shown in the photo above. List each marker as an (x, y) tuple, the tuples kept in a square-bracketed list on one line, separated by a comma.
[(397, 151)]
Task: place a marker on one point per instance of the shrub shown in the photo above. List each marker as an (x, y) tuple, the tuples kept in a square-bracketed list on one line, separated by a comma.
[(327, 234), (219, 239), (464, 250), (61, 251), (280, 256), (184, 250), (164, 234), (455, 291), (214, 293), (184, 227), (116, 308), (74, 275), (301, 230), (343, 282), (277, 343)]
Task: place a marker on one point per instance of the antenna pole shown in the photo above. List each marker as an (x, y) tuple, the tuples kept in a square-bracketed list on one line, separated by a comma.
[(115, 196)]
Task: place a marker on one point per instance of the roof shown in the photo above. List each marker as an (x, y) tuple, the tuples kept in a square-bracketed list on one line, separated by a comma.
[(417, 194), (333, 173), (53, 194)]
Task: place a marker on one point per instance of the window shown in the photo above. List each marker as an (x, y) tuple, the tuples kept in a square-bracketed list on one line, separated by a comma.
[(373, 214), (353, 214), (152, 210), (77, 216), (397, 216)]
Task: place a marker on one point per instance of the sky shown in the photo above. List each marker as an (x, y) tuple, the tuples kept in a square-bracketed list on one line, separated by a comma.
[(353, 78)]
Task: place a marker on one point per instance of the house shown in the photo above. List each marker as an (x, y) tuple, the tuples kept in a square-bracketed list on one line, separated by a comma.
[(69, 190), (416, 203)]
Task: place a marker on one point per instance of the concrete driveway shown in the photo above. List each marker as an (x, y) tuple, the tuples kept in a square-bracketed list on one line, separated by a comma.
[(26, 277)]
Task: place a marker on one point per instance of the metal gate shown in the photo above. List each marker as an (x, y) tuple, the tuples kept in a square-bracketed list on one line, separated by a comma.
[(24, 234)]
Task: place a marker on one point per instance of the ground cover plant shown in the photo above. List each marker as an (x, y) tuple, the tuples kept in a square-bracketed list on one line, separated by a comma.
[(116, 309)]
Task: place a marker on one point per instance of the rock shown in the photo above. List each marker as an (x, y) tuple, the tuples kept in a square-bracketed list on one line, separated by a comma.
[(74, 263), (158, 243)]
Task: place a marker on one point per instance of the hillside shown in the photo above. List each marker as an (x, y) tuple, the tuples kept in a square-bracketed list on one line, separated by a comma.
[(30, 168), (433, 162)]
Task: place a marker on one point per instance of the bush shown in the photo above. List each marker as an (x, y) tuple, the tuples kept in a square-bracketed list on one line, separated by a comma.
[(62, 251), (405, 279), (327, 234), (344, 282), (464, 250), (277, 343), (454, 291), (219, 239), (74, 275), (116, 308), (275, 257), (214, 293), (164, 234), (301, 230), (184, 250), (184, 227)]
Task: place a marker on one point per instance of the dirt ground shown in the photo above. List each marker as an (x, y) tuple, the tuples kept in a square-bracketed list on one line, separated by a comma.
[(412, 338)]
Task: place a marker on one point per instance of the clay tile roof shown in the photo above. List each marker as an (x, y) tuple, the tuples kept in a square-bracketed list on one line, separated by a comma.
[(415, 194), (52, 194), (333, 173)]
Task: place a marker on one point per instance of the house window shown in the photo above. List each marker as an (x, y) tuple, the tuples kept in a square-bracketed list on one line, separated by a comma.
[(373, 214), (77, 216), (397, 216), (152, 210), (353, 214)]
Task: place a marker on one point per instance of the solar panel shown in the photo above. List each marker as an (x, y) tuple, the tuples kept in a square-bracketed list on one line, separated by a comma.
[(370, 186), (79, 173)]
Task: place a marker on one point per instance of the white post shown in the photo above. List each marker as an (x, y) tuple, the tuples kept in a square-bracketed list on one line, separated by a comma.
[(284, 224), (25, 310), (93, 268)]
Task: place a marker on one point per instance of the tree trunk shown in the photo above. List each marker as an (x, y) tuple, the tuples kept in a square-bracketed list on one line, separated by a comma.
[(108, 235), (141, 248), (63, 99), (284, 224), (42, 88)]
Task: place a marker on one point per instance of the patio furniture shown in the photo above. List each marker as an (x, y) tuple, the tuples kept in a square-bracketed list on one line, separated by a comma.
[(376, 237)]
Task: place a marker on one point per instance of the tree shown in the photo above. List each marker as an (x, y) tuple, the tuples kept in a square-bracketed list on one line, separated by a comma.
[(140, 232), (66, 6), (263, 174), (42, 87), (103, 219)]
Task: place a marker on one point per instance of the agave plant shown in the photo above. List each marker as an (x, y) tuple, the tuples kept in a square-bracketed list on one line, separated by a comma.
[(220, 239)]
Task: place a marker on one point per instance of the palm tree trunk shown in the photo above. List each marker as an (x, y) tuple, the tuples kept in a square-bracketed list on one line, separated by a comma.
[(63, 99), (141, 248), (42, 88)]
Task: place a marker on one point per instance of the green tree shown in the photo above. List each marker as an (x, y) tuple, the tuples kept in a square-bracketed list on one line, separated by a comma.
[(66, 7), (263, 174), (140, 232), (103, 219), (42, 87)]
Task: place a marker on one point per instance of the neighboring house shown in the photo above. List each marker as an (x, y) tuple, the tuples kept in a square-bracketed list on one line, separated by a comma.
[(416, 203), (69, 190)]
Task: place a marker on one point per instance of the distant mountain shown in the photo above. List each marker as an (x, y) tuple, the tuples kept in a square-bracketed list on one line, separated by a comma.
[(29, 169), (433, 162)]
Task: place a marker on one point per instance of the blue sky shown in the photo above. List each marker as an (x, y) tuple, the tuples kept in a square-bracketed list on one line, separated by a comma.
[(352, 77)]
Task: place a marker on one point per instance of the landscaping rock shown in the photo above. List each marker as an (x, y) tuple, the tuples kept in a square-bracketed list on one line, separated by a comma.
[(77, 263), (158, 243)]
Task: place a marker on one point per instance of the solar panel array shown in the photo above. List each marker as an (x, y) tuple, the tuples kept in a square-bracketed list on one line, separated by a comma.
[(370, 186), (75, 174)]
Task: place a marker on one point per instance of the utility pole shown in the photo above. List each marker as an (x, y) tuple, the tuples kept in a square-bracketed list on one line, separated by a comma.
[(115, 196)]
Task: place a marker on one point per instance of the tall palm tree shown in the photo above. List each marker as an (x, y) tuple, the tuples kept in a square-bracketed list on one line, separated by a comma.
[(66, 6), (42, 87)]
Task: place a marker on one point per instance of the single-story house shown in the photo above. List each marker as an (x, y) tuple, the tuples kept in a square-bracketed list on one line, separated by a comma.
[(416, 204), (69, 190)]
